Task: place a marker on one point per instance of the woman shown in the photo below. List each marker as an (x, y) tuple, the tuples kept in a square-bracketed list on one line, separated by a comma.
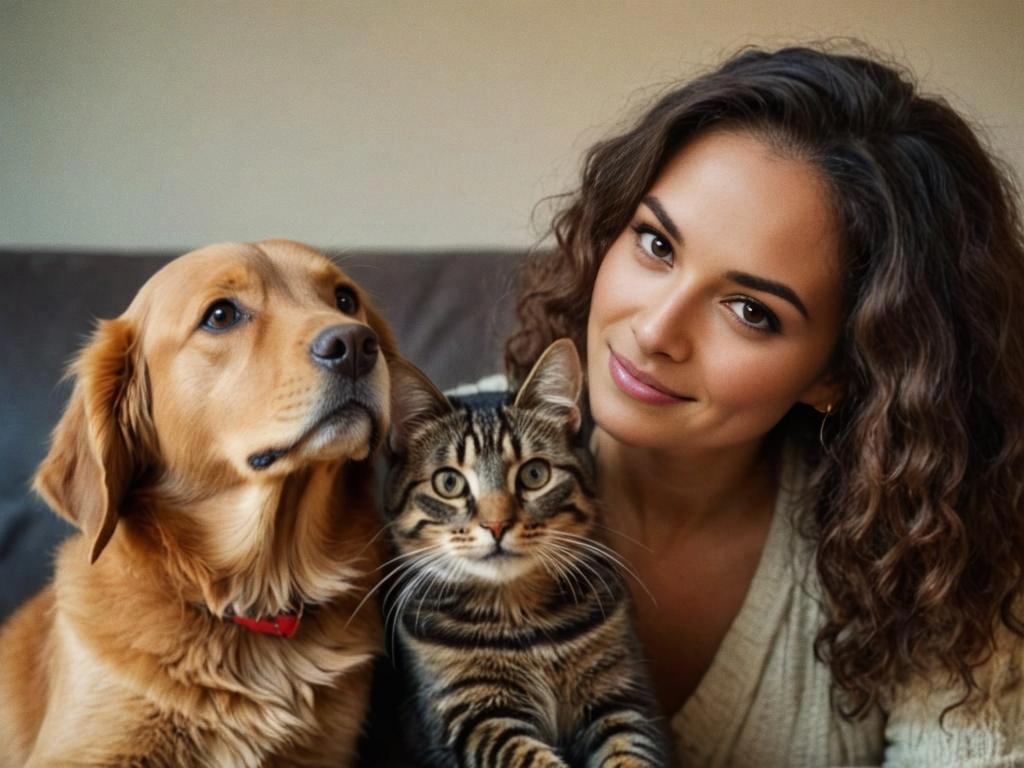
[(794, 283)]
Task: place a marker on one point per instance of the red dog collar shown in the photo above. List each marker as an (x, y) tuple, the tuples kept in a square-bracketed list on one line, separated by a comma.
[(282, 625)]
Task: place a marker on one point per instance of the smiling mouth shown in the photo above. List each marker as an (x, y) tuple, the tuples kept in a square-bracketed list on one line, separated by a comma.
[(346, 412), (638, 385)]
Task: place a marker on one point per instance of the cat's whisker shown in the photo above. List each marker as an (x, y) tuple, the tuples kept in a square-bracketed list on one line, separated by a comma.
[(622, 535), (424, 588), (420, 592), (407, 555), (556, 571), (602, 553), (394, 613), (597, 548), (605, 552), (374, 538), (402, 570), (423, 559), (410, 590), (380, 583), (450, 585), (404, 584), (576, 563), (547, 566), (577, 580), (415, 596)]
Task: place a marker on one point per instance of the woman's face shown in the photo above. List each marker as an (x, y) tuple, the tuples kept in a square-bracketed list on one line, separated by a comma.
[(718, 307)]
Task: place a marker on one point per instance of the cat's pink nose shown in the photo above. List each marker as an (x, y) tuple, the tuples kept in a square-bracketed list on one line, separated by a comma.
[(497, 528)]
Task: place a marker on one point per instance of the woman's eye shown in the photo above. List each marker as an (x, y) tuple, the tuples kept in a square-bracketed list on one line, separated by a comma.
[(448, 483), (754, 315), (653, 243), (347, 300), (221, 315), (534, 474)]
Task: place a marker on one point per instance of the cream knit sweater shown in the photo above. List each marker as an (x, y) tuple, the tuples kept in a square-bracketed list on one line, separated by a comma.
[(764, 701)]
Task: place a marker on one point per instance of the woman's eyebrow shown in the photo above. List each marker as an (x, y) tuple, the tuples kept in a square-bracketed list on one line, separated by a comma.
[(743, 278), (666, 221), (768, 286)]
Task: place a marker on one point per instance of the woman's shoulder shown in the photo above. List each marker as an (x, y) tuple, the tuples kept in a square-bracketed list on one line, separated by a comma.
[(929, 723)]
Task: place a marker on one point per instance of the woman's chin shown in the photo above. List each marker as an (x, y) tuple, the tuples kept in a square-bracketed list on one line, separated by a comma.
[(634, 423)]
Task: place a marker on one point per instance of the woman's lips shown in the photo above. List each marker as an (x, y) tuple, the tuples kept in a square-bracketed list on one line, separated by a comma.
[(638, 385)]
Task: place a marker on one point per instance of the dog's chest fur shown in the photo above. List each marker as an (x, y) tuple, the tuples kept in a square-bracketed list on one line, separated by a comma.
[(178, 685)]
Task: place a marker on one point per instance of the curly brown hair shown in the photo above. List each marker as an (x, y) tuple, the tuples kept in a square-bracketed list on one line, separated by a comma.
[(918, 499)]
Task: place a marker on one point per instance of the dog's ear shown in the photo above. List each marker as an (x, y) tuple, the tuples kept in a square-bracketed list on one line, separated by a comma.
[(94, 450)]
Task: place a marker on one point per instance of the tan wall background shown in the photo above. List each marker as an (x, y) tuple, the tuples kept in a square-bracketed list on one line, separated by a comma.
[(392, 124)]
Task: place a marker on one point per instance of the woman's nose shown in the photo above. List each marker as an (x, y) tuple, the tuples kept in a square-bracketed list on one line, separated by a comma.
[(664, 328)]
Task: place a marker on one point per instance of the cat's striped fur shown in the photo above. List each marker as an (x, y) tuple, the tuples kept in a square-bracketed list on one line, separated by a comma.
[(513, 620)]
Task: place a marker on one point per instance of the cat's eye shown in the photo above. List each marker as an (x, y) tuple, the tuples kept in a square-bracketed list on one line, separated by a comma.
[(534, 474), (448, 483)]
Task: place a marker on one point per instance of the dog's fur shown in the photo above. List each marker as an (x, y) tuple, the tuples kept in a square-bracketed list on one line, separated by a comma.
[(127, 657)]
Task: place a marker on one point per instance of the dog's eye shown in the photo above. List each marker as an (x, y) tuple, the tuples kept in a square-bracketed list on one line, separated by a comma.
[(448, 483), (221, 315), (347, 300)]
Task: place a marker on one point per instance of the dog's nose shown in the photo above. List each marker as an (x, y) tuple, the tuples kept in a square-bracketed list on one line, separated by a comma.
[(350, 349)]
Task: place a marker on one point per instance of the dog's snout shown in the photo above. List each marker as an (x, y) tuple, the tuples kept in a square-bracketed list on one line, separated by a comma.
[(350, 349)]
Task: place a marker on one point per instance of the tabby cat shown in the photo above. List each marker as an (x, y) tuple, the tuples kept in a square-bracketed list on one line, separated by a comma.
[(513, 621)]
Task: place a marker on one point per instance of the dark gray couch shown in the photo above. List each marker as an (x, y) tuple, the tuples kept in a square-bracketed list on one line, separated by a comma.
[(450, 311)]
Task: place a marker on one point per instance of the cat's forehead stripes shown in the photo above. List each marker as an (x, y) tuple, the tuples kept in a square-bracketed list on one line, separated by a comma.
[(482, 451), (507, 437), (480, 435), (469, 440), (532, 438)]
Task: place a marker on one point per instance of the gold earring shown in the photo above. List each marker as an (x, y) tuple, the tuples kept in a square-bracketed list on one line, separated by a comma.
[(821, 430)]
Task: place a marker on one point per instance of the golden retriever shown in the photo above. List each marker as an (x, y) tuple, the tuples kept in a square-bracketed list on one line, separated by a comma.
[(214, 455)]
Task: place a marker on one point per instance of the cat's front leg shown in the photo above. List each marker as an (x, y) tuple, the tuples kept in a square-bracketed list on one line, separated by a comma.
[(624, 738), (500, 738)]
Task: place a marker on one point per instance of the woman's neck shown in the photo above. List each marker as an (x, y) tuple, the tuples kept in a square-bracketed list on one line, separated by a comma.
[(658, 496)]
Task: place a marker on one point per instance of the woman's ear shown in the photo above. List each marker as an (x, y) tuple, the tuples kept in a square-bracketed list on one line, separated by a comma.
[(94, 451), (824, 394)]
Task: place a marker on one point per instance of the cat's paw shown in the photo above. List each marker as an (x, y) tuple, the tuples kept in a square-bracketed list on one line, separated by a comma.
[(629, 761), (628, 755), (548, 760)]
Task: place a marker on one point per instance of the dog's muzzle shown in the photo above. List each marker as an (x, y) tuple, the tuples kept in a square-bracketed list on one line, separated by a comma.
[(349, 352)]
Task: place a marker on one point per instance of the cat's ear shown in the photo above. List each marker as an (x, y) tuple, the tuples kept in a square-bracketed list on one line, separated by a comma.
[(414, 400), (555, 383)]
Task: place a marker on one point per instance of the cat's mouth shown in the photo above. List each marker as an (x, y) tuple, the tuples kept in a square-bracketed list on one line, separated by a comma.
[(499, 565), (500, 553)]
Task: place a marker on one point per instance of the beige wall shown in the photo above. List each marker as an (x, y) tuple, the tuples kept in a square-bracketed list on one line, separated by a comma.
[(411, 123)]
